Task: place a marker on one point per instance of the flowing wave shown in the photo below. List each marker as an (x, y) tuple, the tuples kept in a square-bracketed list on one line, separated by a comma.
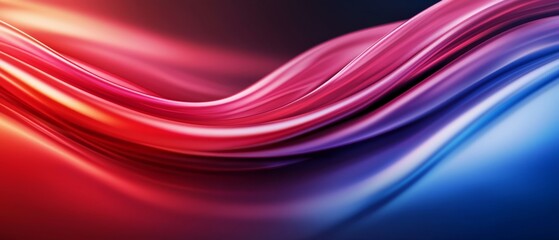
[(347, 125)]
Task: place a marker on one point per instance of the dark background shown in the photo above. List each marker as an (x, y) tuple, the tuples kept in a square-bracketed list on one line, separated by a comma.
[(284, 28)]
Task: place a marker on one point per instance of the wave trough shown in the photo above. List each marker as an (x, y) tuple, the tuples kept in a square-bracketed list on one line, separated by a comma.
[(342, 128)]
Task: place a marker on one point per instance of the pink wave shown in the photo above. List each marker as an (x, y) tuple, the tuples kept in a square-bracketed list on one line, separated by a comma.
[(176, 127)]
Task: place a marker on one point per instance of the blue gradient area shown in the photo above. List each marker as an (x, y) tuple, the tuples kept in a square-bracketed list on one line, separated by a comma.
[(503, 184)]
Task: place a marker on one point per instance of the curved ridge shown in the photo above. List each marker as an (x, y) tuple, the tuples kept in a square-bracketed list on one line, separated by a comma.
[(395, 98)]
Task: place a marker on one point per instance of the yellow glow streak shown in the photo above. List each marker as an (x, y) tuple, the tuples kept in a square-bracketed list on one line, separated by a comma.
[(55, 94)]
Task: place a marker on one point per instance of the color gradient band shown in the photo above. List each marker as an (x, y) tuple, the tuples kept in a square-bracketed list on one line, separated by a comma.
[(344, 127)]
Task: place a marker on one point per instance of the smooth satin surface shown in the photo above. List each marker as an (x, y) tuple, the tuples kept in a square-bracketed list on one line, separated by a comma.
[(113, 131)]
